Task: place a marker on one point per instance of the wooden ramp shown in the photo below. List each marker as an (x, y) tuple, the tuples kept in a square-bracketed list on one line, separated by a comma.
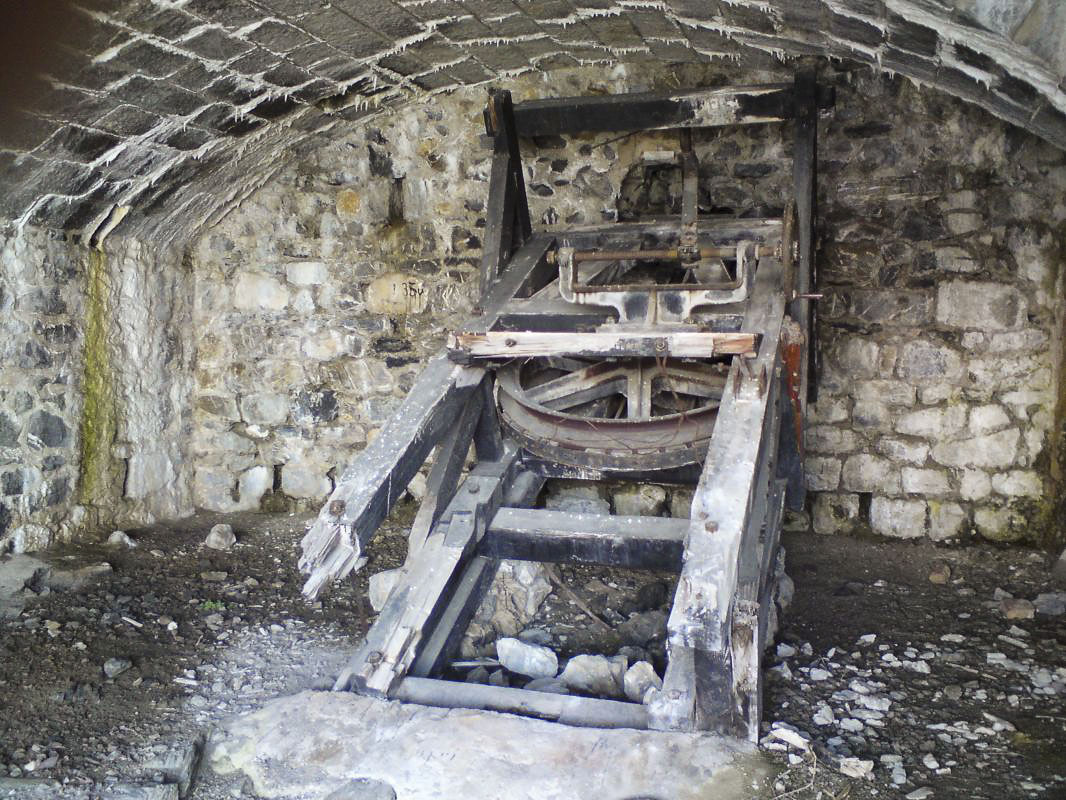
[(596, 355)]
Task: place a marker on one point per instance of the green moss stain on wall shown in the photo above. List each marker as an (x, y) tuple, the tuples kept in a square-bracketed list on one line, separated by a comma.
[(97, 474)]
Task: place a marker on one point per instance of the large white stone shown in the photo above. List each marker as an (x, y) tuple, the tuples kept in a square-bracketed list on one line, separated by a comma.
[(306, 479), (829, 439), (639, 500), (980, 305), (903, 450), (265, 408), (638, 679), (933, 423), (999, 524), (595, 674), (531, 660), (991, 450), (924, 481), (313, 743), (868, 473), (306, 273), (975, 484), (985, 419), (900, 518), (1018, 483), (148, 472), (885, 391), (946, 520), (254, 291)]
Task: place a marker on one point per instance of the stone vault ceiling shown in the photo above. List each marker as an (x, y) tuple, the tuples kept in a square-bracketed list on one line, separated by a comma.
[(160, 114)]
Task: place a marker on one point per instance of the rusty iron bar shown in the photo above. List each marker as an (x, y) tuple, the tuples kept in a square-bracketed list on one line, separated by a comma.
[(664, 255)]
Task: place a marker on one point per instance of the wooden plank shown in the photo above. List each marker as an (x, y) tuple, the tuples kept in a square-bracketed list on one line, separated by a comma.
[(585, 712), (449, 629), (499, 216), (599, 344), (447, 466), (560, 536), (738, 105), (686, 475), (805, 183), (701, 618), (448, 632), (412, 611), (376, 479)]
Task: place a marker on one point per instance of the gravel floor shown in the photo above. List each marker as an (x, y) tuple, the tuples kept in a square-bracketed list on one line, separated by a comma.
[(896, 662)]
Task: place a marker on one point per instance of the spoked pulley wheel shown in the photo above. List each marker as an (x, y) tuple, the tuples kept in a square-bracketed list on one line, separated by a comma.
[(620, 415)]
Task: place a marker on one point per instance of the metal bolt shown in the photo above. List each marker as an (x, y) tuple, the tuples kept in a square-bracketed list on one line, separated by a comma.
[(509, 342), (711, 527), (336, 508)]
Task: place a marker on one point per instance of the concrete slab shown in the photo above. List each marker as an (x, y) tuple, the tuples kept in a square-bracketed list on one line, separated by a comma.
[(314, 743)]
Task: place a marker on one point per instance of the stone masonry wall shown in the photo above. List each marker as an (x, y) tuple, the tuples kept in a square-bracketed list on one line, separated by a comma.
[(942, 235), (92, 387)]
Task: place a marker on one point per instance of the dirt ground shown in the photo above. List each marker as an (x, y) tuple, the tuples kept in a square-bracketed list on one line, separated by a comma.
[(209, 634)]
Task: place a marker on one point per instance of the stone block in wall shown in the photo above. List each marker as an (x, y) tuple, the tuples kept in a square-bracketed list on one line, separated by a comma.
[(863, 472), (256, 292), (980, 305), (264, 408), (974, 484), (955, 259), (985, 419), (823, 473), (901, 518), (397, 293), (828, 439), (903, 450), (325, 345), (220, 489), (306, 479), (921, 360), (993, 450), (1018, 483), (924, 481), (306, 273), (933, 423), (873, 416), (883, 307), (946, 520), (885, 391), (931, 394), (835, 513), (858, 357), (827, 409), (999, 524), (219, 405)]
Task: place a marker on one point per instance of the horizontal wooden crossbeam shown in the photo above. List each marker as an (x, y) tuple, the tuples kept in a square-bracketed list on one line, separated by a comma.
[(522, 344), (560, 536), (738, 105)]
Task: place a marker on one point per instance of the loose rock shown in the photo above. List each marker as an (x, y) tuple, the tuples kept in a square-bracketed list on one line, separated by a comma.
[(114, 667), (120, 539), (221, 537), (595, 675), (530, 660), (1016, 608), (380, 587), (638, 679)]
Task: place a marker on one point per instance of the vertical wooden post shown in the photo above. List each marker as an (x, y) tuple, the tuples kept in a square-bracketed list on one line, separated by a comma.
[(805, 175), (507, 223)]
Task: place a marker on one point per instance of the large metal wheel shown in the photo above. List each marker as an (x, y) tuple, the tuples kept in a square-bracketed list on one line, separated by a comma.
[(626, 415)]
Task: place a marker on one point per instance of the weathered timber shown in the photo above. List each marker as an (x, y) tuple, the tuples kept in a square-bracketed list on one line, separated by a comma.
[(548, 468), (701, 618), (447, 466), (439, 646), (412, 611), (380, 473), (376, 479), (448, 631), (560, 536), (507, 224), (739, 105), (585, 712), (600, 344), (805, 184)]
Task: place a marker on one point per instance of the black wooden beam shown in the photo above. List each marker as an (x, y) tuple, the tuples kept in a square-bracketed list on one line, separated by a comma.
[(655, 111), (560, 536)]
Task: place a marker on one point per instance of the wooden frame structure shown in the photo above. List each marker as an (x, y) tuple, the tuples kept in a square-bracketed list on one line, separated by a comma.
[(745, 463)]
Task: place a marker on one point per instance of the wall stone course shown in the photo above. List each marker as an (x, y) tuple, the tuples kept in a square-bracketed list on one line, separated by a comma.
[(905, 519)]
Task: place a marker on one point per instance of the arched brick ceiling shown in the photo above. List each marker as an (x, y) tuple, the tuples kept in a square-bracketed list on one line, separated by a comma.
[(178, 108)]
